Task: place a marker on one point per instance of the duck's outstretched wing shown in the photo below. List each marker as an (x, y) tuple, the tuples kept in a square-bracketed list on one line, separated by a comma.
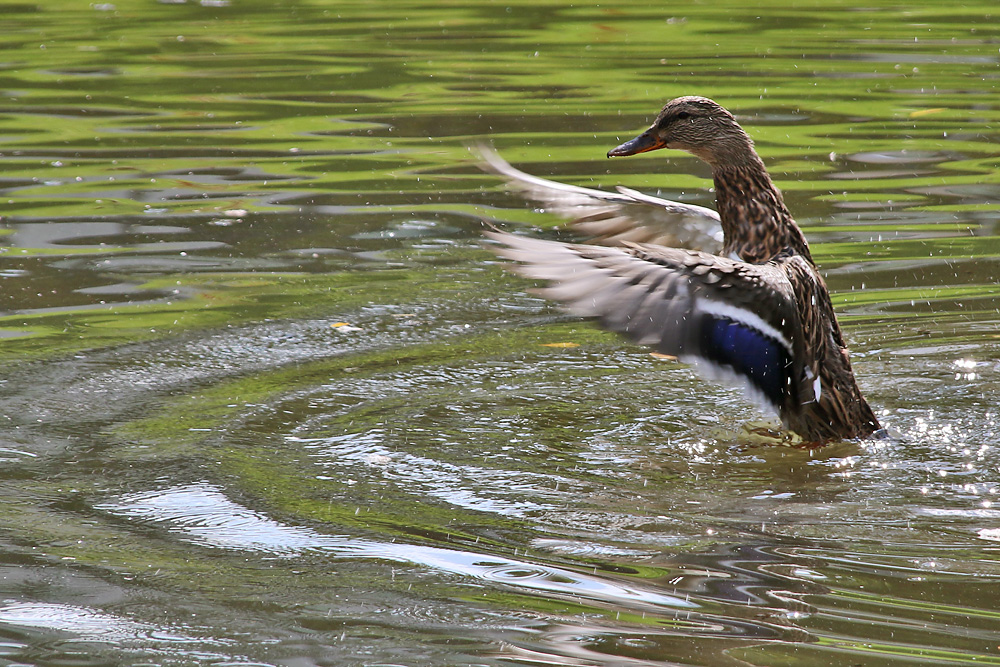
[(735, 321), (613, 218)]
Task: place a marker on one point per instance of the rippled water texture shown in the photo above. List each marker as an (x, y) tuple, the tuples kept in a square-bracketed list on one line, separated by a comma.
[(268, 400)]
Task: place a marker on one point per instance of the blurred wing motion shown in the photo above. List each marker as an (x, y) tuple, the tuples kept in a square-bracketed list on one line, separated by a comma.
[(734, 321), (613, 218)]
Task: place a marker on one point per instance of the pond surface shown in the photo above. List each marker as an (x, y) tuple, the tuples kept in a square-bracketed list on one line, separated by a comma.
[(267, 399)]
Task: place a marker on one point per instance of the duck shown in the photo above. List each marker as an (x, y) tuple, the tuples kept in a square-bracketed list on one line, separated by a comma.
[(755, 312)]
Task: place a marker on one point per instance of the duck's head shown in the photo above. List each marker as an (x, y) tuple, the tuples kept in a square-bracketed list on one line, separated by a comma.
[(696, 125)]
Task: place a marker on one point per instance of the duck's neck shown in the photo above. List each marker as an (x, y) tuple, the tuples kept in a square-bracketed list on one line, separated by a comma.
[(755, 222)]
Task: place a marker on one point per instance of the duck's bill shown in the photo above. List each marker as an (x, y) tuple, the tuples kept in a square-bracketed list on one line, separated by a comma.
[(647, 141)]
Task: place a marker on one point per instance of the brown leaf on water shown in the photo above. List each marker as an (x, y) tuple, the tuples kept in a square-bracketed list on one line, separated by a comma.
[(560, 345), (926, 112), (665, 357)]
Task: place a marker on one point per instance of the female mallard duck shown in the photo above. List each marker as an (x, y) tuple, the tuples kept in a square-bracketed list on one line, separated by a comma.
[(758, 312)]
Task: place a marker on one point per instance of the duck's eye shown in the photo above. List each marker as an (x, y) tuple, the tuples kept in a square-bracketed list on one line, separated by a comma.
[(683, 115)]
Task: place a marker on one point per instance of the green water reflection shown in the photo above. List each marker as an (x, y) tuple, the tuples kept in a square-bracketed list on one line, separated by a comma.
[(267, 400)]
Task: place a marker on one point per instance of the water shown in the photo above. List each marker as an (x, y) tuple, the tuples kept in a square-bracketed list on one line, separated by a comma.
[(267, 399)]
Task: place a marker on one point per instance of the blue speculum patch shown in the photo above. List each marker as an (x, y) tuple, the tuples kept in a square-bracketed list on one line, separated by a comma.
[(749, 352)]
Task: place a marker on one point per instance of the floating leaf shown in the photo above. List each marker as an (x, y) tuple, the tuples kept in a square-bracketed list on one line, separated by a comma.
[(926, 112), (560, 345)]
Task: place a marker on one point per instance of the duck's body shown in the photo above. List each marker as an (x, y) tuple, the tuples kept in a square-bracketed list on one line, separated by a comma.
[(758, 312)]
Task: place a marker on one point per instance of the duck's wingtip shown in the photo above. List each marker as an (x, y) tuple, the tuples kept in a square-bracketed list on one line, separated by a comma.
[(491, 160), (493, 233)]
